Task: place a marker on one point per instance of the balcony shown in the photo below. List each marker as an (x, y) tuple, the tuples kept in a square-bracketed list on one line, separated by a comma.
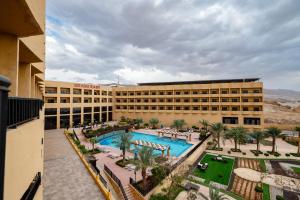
[(22, 110)]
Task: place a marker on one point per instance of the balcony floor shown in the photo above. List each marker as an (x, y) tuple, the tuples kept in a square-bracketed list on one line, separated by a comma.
[(65, 176)]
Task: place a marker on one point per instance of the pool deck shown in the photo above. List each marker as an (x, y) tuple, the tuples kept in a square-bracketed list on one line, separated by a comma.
[(121, 173)]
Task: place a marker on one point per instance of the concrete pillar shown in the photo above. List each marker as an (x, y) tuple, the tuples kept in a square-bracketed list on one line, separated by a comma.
[(9, 61), (24, 88)]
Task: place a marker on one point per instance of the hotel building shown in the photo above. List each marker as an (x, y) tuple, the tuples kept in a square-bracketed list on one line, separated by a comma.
[(22, 55), (70, 104), (234, 102)]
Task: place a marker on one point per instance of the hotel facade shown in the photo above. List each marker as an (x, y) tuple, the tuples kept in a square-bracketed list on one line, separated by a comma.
[(22, 56), (234, 102)]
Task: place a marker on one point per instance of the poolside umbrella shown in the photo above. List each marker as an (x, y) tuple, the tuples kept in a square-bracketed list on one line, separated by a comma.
[(168, 152)]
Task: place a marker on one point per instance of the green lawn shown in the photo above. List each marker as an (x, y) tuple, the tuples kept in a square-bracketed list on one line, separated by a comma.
[(296, 169), (217, 171), (263, 165), (266, 192)]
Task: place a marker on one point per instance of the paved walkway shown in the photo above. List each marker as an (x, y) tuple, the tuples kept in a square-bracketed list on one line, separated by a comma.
[(65, 176)]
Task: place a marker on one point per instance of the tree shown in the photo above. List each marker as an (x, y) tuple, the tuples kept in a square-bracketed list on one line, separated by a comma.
[(124, 142), (258, 136), (273, 132), (214, 194), (93, 140), (205, 125), (237, 134), (154, 122), (145, 160), (298, 130), (178, 123), (138, 122), (217, 129)]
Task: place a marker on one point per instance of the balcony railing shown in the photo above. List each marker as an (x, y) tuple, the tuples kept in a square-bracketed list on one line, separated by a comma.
[(22, 110), (33, 187)]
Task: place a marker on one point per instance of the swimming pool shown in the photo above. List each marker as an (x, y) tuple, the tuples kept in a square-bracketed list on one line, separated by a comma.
[(178, 146)]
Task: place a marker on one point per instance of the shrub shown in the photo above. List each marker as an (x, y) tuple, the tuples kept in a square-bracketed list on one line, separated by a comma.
[(295, 154), (256, 154), (258, 189), (276, 154), (209, 143), (266, 154), (244, 153), (146, 125), (235, 150), (158, 196), (158, 174), (220, 175), (278, 197), (77, 142), (229, 152), (287, 154)]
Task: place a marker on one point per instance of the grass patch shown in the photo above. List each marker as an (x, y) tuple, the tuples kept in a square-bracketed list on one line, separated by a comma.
[(296, 169), (266, 192), (217, 171), (262, 165)]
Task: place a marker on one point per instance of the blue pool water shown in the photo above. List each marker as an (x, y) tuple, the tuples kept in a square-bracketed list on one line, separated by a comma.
[(178, 146)]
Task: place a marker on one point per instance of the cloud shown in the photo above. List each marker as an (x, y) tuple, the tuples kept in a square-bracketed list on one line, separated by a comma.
[(187, 39)]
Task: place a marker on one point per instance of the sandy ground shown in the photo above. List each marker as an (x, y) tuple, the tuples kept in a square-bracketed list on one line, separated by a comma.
[(281, 146), (270, 179)]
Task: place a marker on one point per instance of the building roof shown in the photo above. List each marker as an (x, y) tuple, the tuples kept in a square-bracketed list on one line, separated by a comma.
[(201, 82)]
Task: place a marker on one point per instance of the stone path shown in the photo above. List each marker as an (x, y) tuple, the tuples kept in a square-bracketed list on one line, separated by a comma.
[(65, 176)]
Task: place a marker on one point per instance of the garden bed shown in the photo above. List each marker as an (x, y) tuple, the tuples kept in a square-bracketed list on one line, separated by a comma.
[(217, 171)]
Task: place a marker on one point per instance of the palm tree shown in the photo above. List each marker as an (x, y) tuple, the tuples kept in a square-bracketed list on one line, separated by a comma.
[(217, 129), (273, 132), (178, 123), (237, 134), (214, 194), (205, 125), (123, 142), (93, 140), (154, 122), (298, 130), (138, 121), (145, 160), (258, 136)]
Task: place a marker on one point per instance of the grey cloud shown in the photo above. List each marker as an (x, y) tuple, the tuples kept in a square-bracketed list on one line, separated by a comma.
[(222, 39)]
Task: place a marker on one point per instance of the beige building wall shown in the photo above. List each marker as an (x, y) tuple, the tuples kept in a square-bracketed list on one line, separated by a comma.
[(238, 100), (186, 101), (62, 95), (22, 55)]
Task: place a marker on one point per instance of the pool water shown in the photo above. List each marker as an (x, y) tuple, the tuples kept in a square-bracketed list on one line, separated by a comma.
[(178, 146)]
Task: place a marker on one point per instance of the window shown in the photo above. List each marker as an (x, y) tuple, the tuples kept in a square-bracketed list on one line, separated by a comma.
[(64, 110), (50, 111), (170, 108), (224, 99), (76, 110), (177, 100), (245, 91), (235, 100), (76, 100), (87, 92), (224, 91), (96, 109), (256, 108), (256, 100), (186, 100), (186, 108), (245, 100), (245, 109), (177, 108), (235, 108), (109, 108), (230, 120), (251, 121), (204, 108), (214, 100), (215, 108), (204, 100), (195, 108), (214, 92), (161, 108), (195, 100), (64, 100), (224, 108), (177, 93), (104, 108), (87, 109)]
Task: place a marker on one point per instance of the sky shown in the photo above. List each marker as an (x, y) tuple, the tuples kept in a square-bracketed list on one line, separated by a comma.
[(103, 41)]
